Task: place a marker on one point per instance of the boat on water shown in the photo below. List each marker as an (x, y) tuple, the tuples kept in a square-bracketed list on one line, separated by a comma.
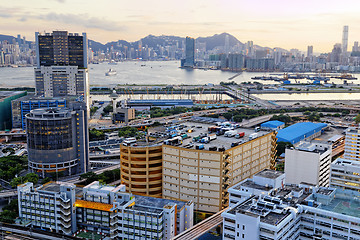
[(346, 76), (111, 72), (112, 62)]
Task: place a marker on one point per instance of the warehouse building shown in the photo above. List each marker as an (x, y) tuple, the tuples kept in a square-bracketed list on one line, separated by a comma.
[(300, 131), (272, 125)]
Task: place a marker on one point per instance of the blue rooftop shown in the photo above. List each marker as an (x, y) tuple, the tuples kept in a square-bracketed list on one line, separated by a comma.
[(272, 124), (299, 131)]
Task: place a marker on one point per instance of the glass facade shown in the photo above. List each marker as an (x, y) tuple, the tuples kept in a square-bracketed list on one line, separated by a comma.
[(46, 50), (49, 134), (76, 51)]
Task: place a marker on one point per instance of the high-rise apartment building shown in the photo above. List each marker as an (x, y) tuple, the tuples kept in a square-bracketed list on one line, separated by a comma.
[(58, 141), (189, 52), (61, 65)]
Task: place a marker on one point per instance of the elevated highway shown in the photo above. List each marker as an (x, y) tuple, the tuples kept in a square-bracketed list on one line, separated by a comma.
[(201, 228)]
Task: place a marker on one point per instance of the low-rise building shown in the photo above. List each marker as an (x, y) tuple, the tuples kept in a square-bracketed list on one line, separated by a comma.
[(274, 125), (345, 174), (302, 131), (292, 212), (65, 208)]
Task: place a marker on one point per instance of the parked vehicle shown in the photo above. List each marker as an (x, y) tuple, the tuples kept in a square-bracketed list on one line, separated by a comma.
[(200, 147), (230, 133), (129, 141), (212, 136), (205, 140), (240, 135), (253, 136)]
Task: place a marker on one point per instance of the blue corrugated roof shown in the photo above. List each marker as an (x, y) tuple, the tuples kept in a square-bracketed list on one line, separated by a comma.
[(299, 131), (272, 124)]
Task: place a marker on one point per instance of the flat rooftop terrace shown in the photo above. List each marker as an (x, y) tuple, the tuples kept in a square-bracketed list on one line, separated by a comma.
[(267, 216), (157, 202), (250, 184), (268, 173), (344, 203), (220, 141)]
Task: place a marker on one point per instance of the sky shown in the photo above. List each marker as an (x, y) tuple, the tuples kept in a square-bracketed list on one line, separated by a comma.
[(272, 23)]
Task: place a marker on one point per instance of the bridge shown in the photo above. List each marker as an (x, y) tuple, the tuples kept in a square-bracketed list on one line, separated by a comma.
[(201, 228), (20, 232), (8, 193)]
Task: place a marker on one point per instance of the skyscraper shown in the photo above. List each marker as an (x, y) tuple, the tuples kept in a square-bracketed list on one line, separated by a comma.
[(345, 39), (61, 65), (189, 52), (57, 140), (227, 46), (356, 47), (310, 51)]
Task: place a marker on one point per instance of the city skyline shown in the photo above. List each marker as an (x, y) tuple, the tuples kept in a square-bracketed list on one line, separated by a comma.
[(275, 24)]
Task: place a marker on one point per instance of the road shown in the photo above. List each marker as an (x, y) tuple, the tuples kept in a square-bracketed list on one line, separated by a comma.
[(256, 121), (201, 228)]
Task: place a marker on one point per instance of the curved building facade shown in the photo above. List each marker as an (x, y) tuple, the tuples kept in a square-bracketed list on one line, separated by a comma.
[(141, 169), (57, 141)]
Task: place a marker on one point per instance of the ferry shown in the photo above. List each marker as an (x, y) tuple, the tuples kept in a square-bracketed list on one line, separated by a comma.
[(111, 72)]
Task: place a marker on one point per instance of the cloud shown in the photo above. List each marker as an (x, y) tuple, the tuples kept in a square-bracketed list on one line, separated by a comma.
[(5, 15), (83, 20), (23, 19)]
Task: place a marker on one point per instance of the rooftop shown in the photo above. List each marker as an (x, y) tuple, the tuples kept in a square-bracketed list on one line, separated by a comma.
[(250, 207), (345, 202), (274, 123), (6, 94), (299, 131), (157, 202), (346, 162), (268, 173), (250, 184), (201, 129)]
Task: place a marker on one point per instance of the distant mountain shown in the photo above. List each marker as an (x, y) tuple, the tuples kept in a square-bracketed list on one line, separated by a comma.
[(157, 41), (164, 40), (10, 38), (6, 38), (218, 40)]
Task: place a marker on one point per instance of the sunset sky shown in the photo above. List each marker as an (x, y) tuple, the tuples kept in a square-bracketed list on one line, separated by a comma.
[(274, 23)]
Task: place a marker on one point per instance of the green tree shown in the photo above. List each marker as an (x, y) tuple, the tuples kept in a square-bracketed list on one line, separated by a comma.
[(45, 180), (107, 110), (32, 177), (89, 177), (357, 118), (281, 146), (17, 181)]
